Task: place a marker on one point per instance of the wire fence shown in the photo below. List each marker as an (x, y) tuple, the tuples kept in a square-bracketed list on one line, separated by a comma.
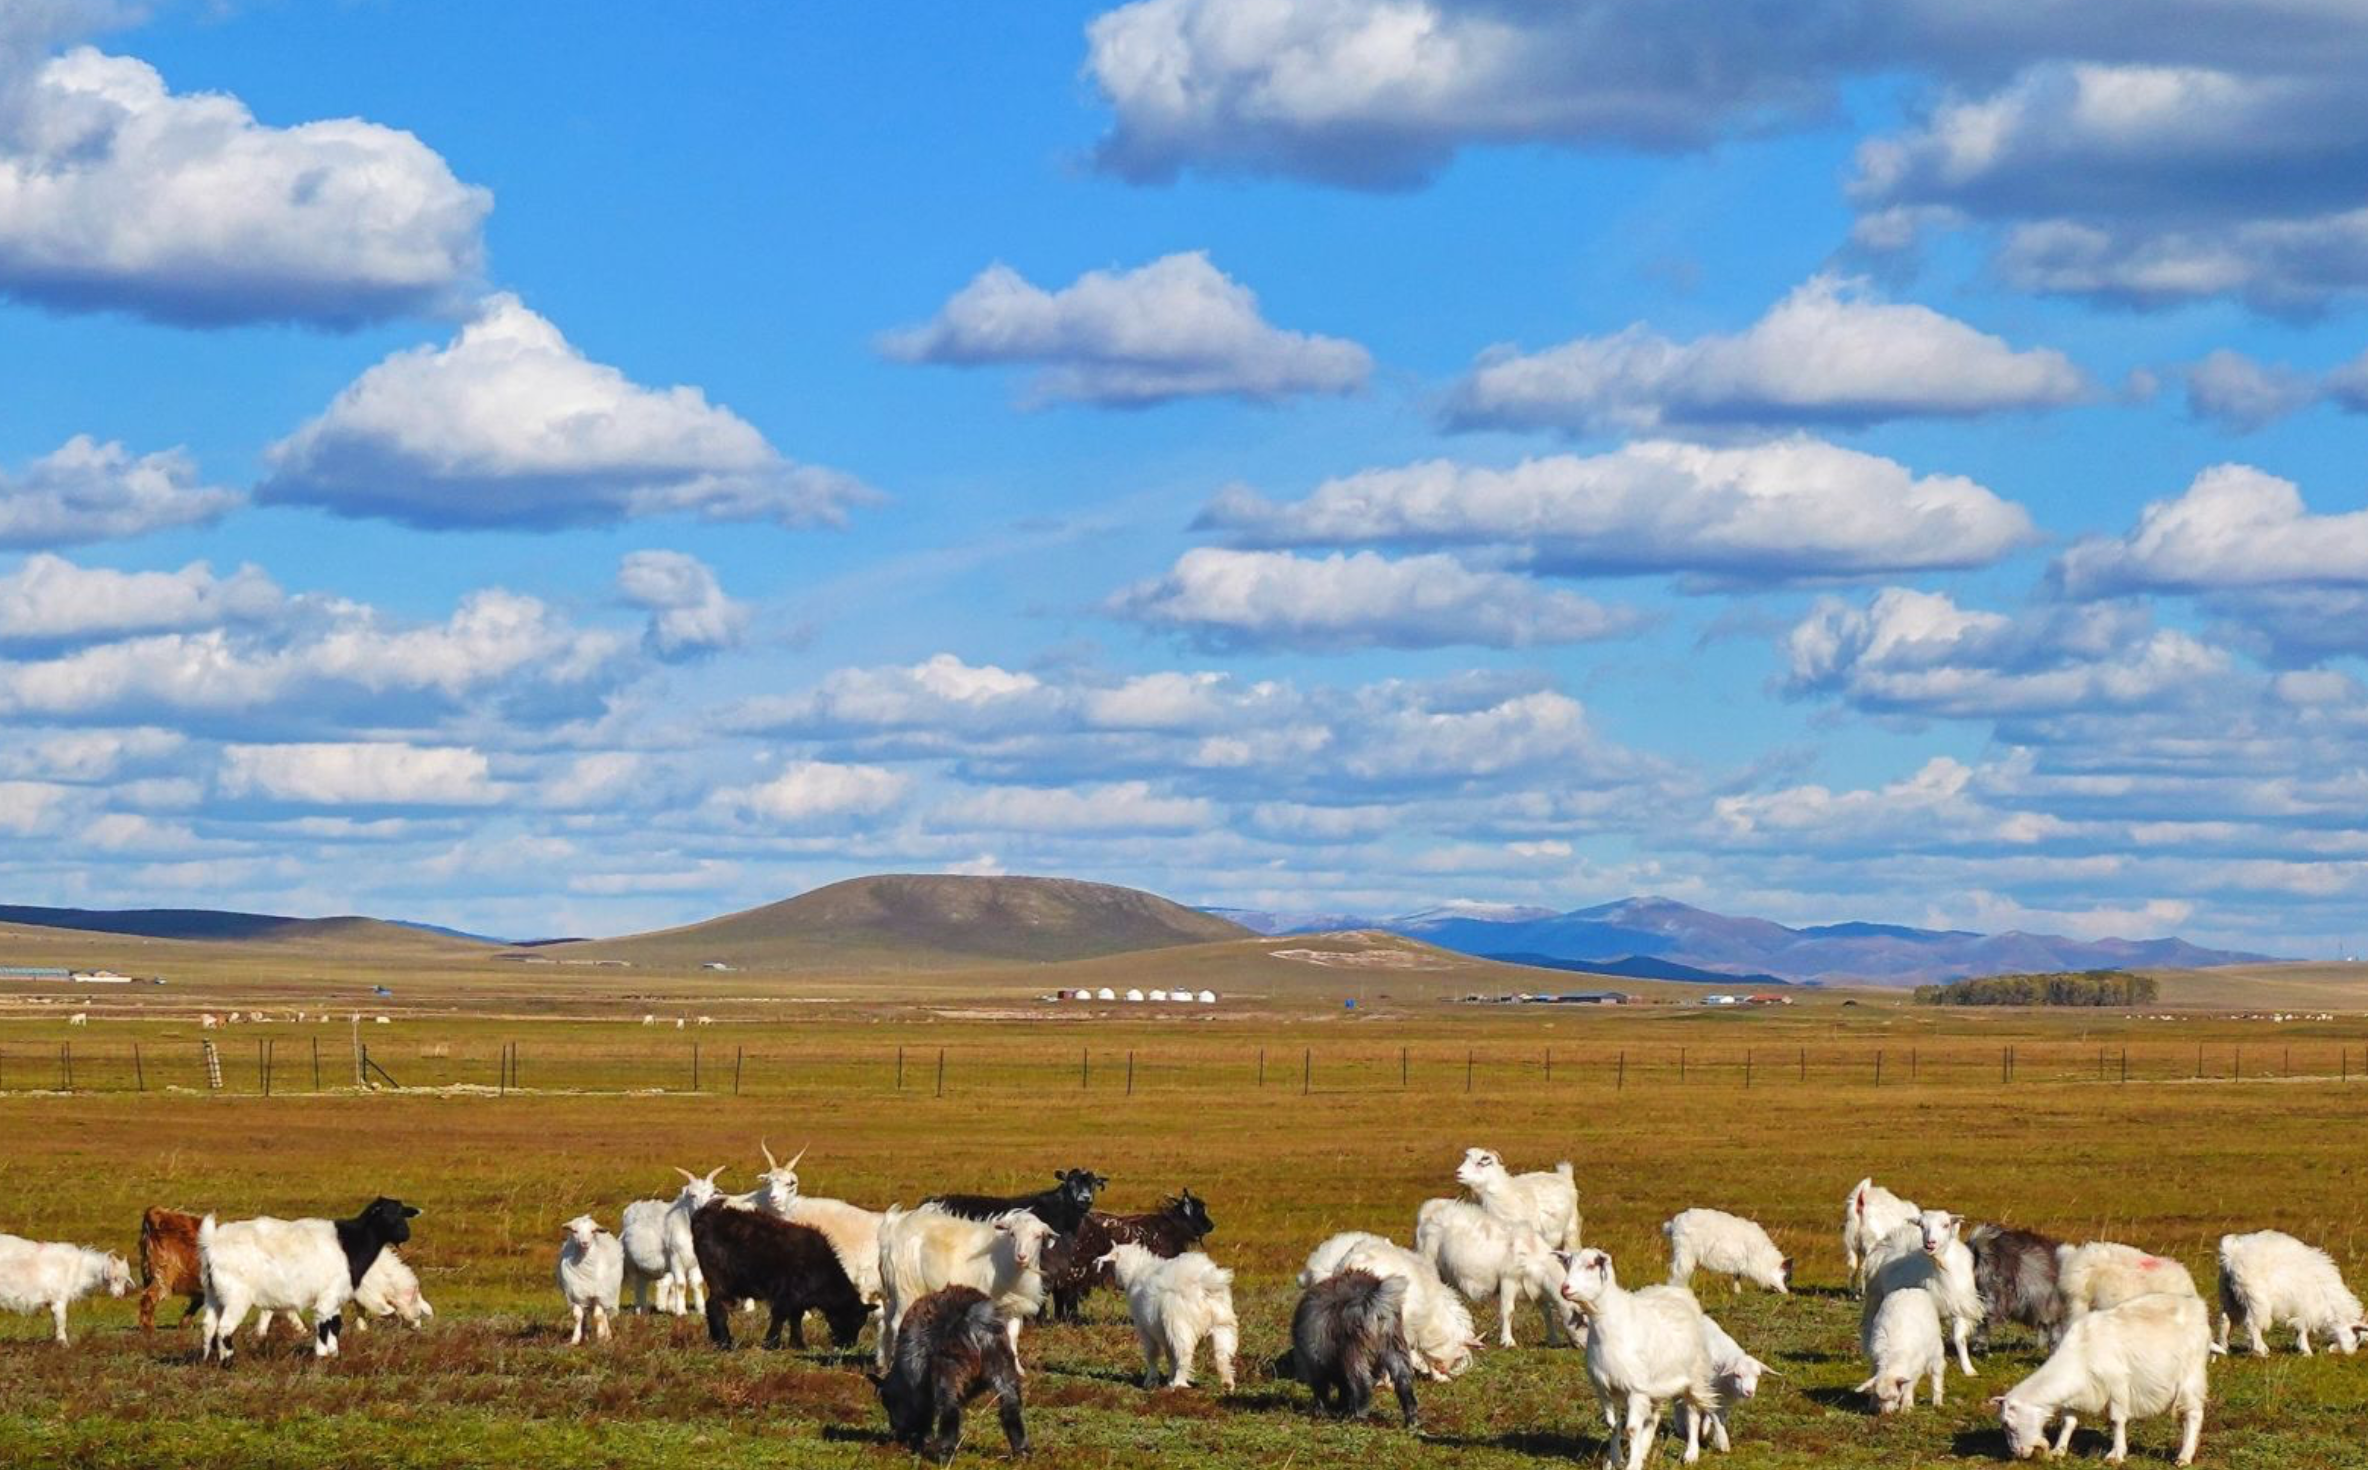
[(292, 1065)]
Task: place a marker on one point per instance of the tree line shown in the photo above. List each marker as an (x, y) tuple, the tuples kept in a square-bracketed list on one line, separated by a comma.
[(2076, 988)]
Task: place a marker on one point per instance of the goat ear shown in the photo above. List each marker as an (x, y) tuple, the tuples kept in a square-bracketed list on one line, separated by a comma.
[(1998, 1402)]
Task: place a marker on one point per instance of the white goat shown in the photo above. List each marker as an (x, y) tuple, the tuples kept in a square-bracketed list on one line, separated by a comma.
[(2144, 1357), (390, 1288), (683, 1277), (2268, 1278), (853, 1232), (591, 1275), (642, 1233), (1438, 1325), (1903, 1344), (1546, 1202), (1487, 1259), (1175, 1303), (1644, 1348), (1729, 1245), (1734, 1374), (1927, 1255), (2103, 1274), (1324, 1261), (1869, 1215), (35, 1274), (925, 1249)]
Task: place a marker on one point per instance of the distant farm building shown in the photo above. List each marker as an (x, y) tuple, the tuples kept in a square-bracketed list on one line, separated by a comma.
[(1158, 995), (1105, 993), (1207, 997), (1721, 998), (100, 977), (1134, 995)]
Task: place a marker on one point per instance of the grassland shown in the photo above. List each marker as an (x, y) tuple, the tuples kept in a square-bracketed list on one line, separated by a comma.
[(1652, 1103)]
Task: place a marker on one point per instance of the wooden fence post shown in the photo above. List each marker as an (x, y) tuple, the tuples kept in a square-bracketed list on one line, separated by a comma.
[(1307, 1070), (1681, 1064), (900, 1069), (739, 1055), (1620, 1082), (1261, 1067), (262, 1069), (140, 1075), (1913, 1071), (1804, 1064), (316, 1062), (1130, 1071), (941, 1071), (1747, 1069), (66, 1066), (1878, 1066), (1402, 1068), (1085, 1068), (1467, 1069)]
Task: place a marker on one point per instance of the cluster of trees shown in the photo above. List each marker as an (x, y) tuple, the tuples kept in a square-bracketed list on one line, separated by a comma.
[(2076, 988)]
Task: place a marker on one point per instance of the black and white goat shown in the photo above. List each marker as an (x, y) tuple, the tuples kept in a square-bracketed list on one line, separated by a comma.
[(292, 1266), (1063, 1207)]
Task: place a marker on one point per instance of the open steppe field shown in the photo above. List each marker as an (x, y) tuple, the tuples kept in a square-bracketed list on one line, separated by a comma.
[(2018, 1116)]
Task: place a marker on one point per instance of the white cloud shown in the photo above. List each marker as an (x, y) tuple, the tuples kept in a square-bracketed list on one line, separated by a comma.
[(118, 193), (362, 773), (1272, 599), (1826, 354), (88, 491), (2241, 395), (597, 781), (689, 613), (1789, 510), (2235, 527), (51, 600), (1127, 806), (1176, 328), (509, 425), (807, 792)]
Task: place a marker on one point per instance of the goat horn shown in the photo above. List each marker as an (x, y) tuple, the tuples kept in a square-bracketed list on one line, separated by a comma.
[(768, 1148), (718, 1169), (686, 1174), (801, 1153)]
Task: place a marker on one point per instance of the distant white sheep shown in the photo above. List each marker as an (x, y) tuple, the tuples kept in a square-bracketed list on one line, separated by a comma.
[(79, 1018), (1174, 1304), (1644, 1348), (1869, 1215), (591, 1275), (2144, 1357), (37, 1274), (925, 1249), (1928, 1255), (1489, 1260), (2269, 1279), (1903, 1345), (2103, 1274), (1727, 1245), (1547, 1202)]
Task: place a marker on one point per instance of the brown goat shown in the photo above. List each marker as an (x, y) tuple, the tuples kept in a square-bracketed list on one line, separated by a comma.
[(168, 1263), (1072, 1266)]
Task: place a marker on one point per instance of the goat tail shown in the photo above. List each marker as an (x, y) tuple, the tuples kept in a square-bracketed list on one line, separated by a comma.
[(1563, 1169)]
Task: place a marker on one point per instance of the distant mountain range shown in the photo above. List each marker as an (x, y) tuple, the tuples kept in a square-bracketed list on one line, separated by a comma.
[(1663, 939)]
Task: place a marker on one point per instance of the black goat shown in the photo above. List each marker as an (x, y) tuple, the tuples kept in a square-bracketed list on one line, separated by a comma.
[(1071, 1268), (1347, 1335), (951, 1348), (791, 1268), (2015, 1271), (1062, 1207)]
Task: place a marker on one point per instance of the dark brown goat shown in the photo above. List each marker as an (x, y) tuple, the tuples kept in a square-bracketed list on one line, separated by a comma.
[(951, 1348), (792, 1269), (2015, 1271), (168, 1263), (1071, 1263)]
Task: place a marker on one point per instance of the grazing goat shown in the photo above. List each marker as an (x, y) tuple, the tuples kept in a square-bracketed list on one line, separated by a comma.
[(168, 1263), (952, 1349), (1869, 1216), (2015, 1272), (1175, 1303), (1927, 1255), (2104, 1274), (642, 1233), (1438, 1325), (1903, 1344), (792, 1269), (2133, 1361), (591, 1275), (1734, 1375), (37, 1274), (1062, 1207), (1546, 1202), (1348, 1334), (1327, 1258), (1072, 1269), (2268, 1278), (1643, 1348), (925, 1249), (1488, 1260), (292, 1265), (853, 1232), (1729, 1245), (390, 1288)]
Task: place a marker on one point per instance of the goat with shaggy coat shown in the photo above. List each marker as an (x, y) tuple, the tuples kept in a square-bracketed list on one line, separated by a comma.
[(1347, 1335), (642, 1235), (1644, 1348), (1174, 1304), (1488, 1260), (2268, 1278), (1903, 1344), (1547, 1202), (2103, 1274), (591, 1275), (2015, 1272), (746, 1255), (924, 1250), (292, 1265), (1869, 1215), (952, 1349), (1734, 1375), (1073, 1269), (2141, 1358), (853, 1232), (1727, 1245), (168, 1263), (1438, 1325), (36, 1275), (1927, 1255)]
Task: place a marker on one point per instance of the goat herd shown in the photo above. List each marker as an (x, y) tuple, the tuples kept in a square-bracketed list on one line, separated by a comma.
[(950, 1282)]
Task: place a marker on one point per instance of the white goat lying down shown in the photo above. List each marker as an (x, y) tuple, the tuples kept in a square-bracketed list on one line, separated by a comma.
[(1438, 1325), (36, 1274), (1727, 1245), (2268, 1279), (2141, 1358), (1644, 1348), (1487, 1259), (1175, 1303), (1547, 1201)]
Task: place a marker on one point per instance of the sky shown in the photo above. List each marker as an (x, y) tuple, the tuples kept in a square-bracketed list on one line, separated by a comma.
[(572, 472)]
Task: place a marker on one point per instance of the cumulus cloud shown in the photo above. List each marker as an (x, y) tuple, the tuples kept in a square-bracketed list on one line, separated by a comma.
[(360, 773), (1126, 806), (810, 792), (2234, 527), (2241, 395), (50, 600), (117, 193), (1176, 328), (1224, 599), (689, 613), (88, 491), (1789, 510), (1827, 354), (510, 426)]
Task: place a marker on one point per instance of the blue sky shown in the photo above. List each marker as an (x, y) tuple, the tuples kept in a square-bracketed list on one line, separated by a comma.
[(1340, 456)]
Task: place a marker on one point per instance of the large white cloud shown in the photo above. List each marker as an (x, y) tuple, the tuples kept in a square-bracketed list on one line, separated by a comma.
[(1176, 328), (88, 491), (1125, 806), (359, 773), (118, 193), (509, 425), (689, 613), (1221, 598), (49, 599), (1787, 510), (2235, 527), (806, 792), (1828, 353)]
